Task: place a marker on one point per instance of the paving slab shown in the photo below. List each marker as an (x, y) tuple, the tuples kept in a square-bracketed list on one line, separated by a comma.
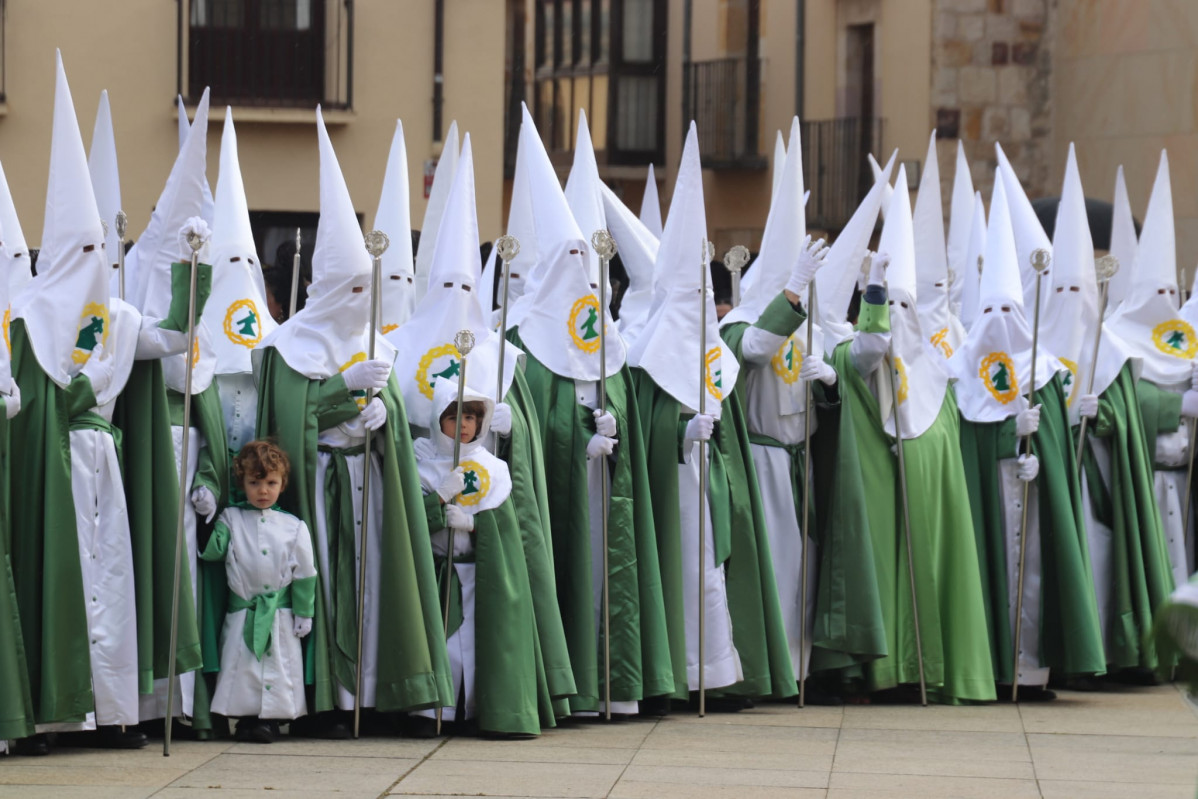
[(298, 773), (980, 718), (850, 785), (510, 779), (728, 775), (632, 789), (534, 751), (1078, 789)]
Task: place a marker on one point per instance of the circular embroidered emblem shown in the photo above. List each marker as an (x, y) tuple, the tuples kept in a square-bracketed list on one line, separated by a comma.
[(715, 374), (478, 483), (441, 361), (900, 372), (1175, 337), (940, 341), (93, 330), (359, 395), (584, 323), (788, 360), (997, 373), (7, 320), (1069, 380), (242, 325)]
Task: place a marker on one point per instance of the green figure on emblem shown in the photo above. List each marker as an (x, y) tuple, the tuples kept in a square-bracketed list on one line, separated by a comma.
[(1002, 378), (88, 335), (471, 479), (588, 327), (247, 324)]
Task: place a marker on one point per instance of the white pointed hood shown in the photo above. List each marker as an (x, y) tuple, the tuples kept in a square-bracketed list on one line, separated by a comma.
[(208, 205), (425, 342), (943, 330), (637, 246), (1029, 233), (992, 366), (1123, 244), (1148, 319), (960, 225), (778, 164), (583, 196), (785, 229), (887, 189), (670, 346), (919, 376), (1070, 318), (236, 315), (394, 218), (106, 180), (332, 332), (971, 277), (487, 288), (65, 307), (834, 282), (14, 255), (447, 166), (651, 206), (488, 481)]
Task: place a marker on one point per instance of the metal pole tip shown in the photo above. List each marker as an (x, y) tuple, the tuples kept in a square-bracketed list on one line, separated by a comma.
[(377, 243), (604, 244), (736, 258), (1041, 258), (464, 341), (122, 223), (508, 247), (1106, 267)]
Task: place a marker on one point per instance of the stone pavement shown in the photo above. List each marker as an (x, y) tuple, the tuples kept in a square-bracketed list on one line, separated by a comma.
[(1137, 743)]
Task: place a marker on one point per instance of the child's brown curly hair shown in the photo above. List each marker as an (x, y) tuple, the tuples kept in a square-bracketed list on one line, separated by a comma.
[(259, 458)]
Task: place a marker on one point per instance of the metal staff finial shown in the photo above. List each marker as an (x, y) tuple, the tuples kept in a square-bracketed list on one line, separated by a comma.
[(464, 341), (734, 261), (122, 224), (508, 247), (604, 244), (377, 243), (1106, 268), (1040, 259), (295, 273)]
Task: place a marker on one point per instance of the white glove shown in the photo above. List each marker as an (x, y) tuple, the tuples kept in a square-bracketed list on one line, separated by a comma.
[(374, 415), (817, 369), (877, 268), (700, 427), (605, 423), (1029, 467), (600, 446), (1189, 404), (302, 626), (195, 225), (204, 502), (501, 419), (1087, 406), (811, 258), (12, 402), (1027, 422), (98, 370), (451, 485), (1194, 375), (367, 375), (457, 518)]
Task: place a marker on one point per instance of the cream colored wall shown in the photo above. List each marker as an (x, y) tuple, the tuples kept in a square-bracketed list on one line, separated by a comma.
[(129, 48)]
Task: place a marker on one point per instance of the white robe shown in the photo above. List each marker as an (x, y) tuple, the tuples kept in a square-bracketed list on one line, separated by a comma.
[(1100, 539), (1169, 480), (1031, 673), (268, 550), (239, 403), (461, 644)]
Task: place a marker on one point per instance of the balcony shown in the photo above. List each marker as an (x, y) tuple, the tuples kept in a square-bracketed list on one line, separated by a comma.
[(267, 53), (835, 168), (722, 96)]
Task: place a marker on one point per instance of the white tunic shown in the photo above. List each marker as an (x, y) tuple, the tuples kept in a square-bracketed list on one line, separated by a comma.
[(1100, 539), (1031, 673), (461, 644), (239, 402), (1169, 480), (268, 550)]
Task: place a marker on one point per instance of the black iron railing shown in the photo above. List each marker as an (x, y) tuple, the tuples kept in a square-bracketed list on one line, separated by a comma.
[(835, 168), (723, 100), (282, 53)]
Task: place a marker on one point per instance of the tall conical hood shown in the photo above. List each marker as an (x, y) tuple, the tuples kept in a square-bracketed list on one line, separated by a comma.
[(394, 218), (638, 252), (66, 307), (778, 164), (540, 219), (583, 195), (971, 279), (1148, 319), (106, 180), (14, 255), (651, 206), (960, 225), (1071, 317), (332, 331), (931, 261), (834, 282), (785, 229), (208, 208), (992, 366), (236, 315), (1029, 233), (671, 346), (1123, 244), (425, 342), (182, 116), (447, 166)]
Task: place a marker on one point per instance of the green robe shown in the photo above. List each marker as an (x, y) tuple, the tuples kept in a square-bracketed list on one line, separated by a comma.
[(640, 656), (16, 703), (738, 533), (1070, 634), (848, 626), (952, 619), (413, 668)]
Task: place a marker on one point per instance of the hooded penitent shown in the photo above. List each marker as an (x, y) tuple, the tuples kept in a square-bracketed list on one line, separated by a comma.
[(488, 481), (1123, 245), (236, 315), (1028, 232), (559, 314), (960, 224), (584, 199), (66, 307), (447, 166), (971, 270), (15, 253), (394, 218), (1070, 318), (992, 367), (106, 182), (637, 246), (919, 376), (931, 261), (1148, 319), (651, 206), (670, 346), (332, 332), (425, 344)]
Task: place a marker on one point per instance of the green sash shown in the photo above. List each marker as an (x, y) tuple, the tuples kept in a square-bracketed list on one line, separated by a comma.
[(260, 616)]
